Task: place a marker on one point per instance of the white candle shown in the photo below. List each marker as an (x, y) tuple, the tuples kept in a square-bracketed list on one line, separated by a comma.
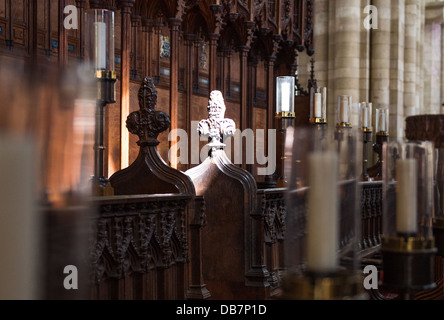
[(285, 97), (318, 105), (100, 45), (324, 102), (19, 221), (344, 111), (364, 115), (322, 219), (382, 122), (406, 196)]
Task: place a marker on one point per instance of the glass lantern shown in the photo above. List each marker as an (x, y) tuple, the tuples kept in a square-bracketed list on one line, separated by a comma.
[(343, 112), (323, 216), (408, 247), (365, 116), (318, 106), (99, 51), (285, 96), (382, 121)]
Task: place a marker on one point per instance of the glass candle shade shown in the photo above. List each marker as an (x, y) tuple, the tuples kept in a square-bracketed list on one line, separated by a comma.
[(408, 246), (99, 39), (323, 216), (318, 104), (365, 116), (343, 112), (382, 120), (285, 93), (408, 189)]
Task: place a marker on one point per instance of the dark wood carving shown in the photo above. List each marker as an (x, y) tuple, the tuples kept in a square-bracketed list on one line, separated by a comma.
[(141, 248), (233, 240), (274, 210), (149, 173)]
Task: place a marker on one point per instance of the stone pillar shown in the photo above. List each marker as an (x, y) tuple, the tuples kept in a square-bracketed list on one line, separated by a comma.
[(347, 52), (412, 23), (380, 57), (321, 41), (397, 119)]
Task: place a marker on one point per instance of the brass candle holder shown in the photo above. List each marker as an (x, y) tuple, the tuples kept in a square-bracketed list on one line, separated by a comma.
[(408, 243), (320, 121), (408, 264), (283, 120), (106, 94), (367, 134), (340, 285)]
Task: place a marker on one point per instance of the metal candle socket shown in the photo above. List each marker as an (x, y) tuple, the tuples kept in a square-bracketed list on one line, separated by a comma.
[(408, 263)]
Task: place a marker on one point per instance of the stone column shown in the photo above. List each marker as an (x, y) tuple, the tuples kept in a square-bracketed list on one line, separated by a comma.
[(347, 53), (397, 45), (380, 57), (412, 23), (321, 41)]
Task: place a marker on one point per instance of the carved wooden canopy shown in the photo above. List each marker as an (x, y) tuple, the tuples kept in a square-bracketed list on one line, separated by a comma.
[(265, 26)]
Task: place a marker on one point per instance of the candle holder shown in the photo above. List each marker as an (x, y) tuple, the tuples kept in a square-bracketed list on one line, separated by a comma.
[(318, 106), (408, 245), (99, 58), (285, 117), (322, 238), (365, 110), (343, 112)]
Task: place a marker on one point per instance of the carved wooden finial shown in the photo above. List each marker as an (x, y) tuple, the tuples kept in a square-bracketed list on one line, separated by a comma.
[(216, 127), (147, 122)]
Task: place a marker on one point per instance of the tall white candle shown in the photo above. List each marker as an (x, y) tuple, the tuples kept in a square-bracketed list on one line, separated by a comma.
[(100, 45), (382, 121), (19, 221), (364, 115), (344, 111), (318, 105), (324, 102), (285, 97), (406, 196), (322, 219)]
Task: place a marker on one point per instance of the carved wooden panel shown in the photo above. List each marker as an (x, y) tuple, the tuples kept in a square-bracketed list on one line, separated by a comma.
[(141, 235)]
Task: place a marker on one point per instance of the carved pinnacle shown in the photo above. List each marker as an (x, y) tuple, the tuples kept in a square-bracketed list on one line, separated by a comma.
[(147, 123), (216, 127)]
